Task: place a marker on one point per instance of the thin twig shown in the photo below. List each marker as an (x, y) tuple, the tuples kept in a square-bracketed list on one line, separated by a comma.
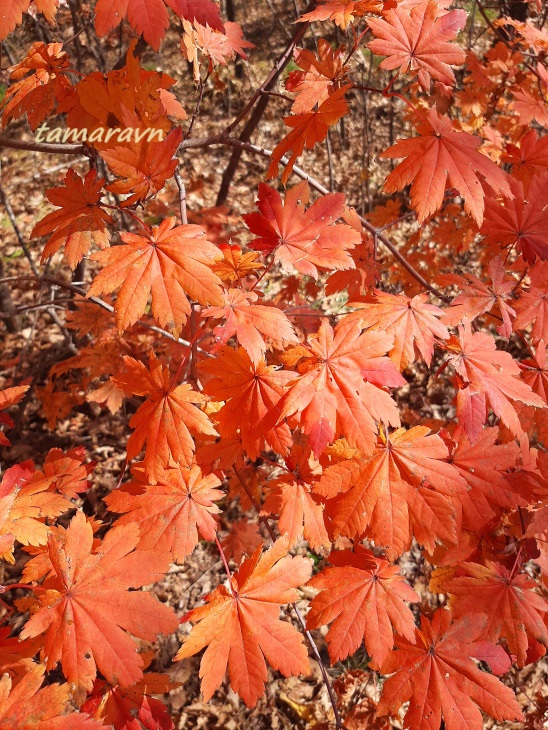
[(338, 722), (182, 195)]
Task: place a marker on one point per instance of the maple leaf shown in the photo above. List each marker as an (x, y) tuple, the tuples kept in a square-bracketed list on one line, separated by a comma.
[(476, 298), (252, 394), (340, 387), (487, 377), (242, 539), (418, 40), (522, 221), (515, 612), (247, 321), (170, 264), (240, 625), (307, 130), (12, 16), (65, 472), (129, 97), (341, 12), (386, 496), (235, 265), (439, 679), (316, 75), (413, 323), (166, 420), (171, 512), (365, 275), (27, 706), (535, 371), (219, 47), (302, 239), (483, 465), (299, 511), (363, 599), (37, 94), (150, 17), (132, 708), (529, 158), (88, 606), (80, 221), (441, 158), (9, 397), (145, 167), (532, 305), (24, 506)]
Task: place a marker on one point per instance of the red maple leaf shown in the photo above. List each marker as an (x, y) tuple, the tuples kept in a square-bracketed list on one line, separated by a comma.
[(168, 264), (363, 599), (441, 158), (436, 674), (80, 221), (514, 611), (304, 239), (166, 420), (240, 627), (418, 40), (171, 512), (339, 391), (88, 607), (247, 321)]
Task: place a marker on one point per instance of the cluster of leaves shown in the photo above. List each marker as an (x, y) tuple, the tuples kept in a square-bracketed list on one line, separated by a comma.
[(301, 418)]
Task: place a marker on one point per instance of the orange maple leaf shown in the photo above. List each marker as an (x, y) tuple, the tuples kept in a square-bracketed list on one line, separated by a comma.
[(88, 607), (341, 12), (316, 75), (477, 298), (171, 512), (529, 158), (27, 707), (166, 420), (80, 221), (307, 130), (65, 472), (532, 304), (441, 158), (24, 506), (515, 612), (487, 376), (236, 264), (386, 495), (339, 391), (437, 676), (362, 597), (242, 538), (9, 397), (483, 465), (144, 167), (290, 496), (130, 708), (302, 239), (413, 323), (418, 40), (150, 17), (520, 222), (170, 264), (37, 94), (247, 321), (252, 394), (239, 624)]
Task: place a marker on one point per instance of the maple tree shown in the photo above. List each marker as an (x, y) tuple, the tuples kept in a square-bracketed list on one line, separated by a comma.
[(331, 382)]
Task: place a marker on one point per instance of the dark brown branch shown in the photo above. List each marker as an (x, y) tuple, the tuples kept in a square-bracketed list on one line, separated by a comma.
[(58, 149)]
